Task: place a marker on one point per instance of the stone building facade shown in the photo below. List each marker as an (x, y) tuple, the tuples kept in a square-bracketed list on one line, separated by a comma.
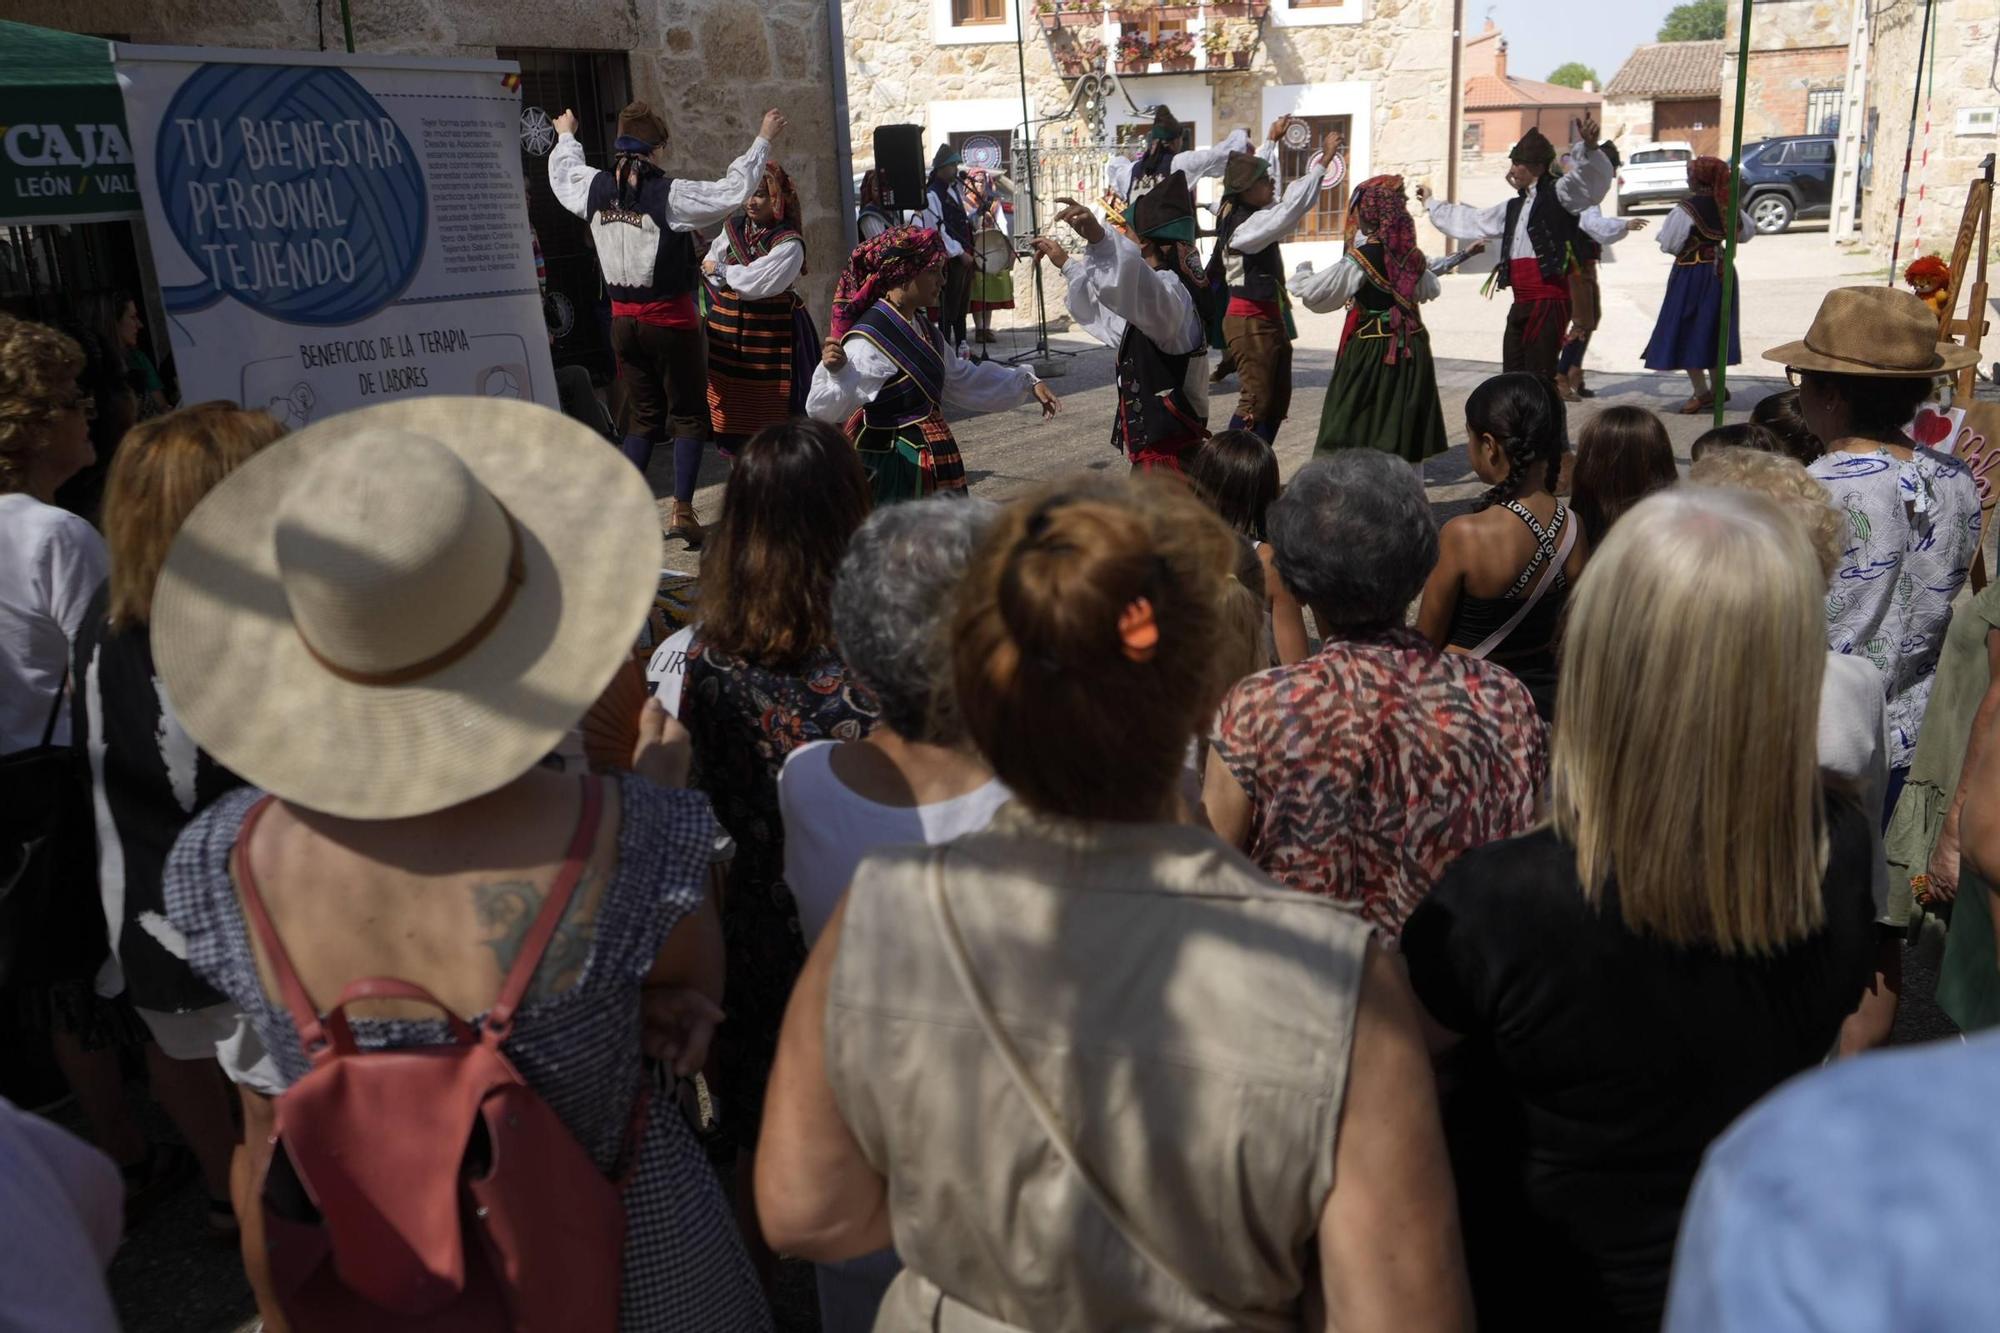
[(1797, 67), (1668, 90), (711, 67), (1377, 72), (1500, 106)]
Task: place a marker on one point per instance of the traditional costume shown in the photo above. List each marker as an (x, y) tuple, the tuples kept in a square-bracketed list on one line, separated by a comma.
[(986, 196), (1129, 178), (1538, 231), (872, 216), (1595, 232), (946, 213), (1247, 260), (1155, 318), (642, 223), (1685, 336), (900, 374), (1384, 391), (761, 342)]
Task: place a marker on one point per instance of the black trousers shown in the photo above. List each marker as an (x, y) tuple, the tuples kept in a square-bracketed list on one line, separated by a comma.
[(956, 300), (664, 373), (1534, 337)]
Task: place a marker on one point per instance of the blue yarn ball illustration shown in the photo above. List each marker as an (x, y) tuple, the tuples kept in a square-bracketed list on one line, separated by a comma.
[(323, 201)]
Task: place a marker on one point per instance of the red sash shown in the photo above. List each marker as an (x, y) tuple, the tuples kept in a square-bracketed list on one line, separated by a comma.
[(1525, 276)]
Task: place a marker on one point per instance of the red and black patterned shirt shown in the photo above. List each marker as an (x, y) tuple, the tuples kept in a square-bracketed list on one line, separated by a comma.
[(1376, 762)]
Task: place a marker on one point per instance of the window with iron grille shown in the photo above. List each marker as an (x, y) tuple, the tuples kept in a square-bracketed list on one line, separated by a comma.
[(1328, 219), (1823, 110), (596, 85)]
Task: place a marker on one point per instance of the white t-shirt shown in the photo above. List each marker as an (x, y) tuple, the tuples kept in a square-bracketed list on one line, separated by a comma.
[(51, 565), (667, 668), (828, 828)]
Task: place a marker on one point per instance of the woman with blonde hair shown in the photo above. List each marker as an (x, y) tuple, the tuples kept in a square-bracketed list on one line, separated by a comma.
[(1089, 1068), (1688, 930), (150, 779)]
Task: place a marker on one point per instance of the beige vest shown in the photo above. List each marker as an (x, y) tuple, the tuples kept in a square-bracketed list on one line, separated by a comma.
[(1189, 1022)]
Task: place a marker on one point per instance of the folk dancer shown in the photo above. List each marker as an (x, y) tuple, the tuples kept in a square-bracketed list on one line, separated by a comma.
[(872, 216), (1148, 301), (762, 344), (887, 373), (1247, 258), (945, 212), (1384, 390), (1585, 300), (987, 194), (1538, 229), (642, 223), (1128, 178), (1685, 336)]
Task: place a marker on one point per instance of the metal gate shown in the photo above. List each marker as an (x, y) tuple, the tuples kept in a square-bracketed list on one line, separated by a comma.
[(596, 85)]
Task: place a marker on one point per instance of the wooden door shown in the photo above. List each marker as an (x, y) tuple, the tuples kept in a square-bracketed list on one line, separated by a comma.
[(1697, 120)]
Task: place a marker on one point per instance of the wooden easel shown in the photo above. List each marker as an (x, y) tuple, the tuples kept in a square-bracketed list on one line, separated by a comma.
[(1979, 438)]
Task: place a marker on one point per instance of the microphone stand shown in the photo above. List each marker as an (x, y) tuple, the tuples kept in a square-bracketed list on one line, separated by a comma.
[(1041, 352)]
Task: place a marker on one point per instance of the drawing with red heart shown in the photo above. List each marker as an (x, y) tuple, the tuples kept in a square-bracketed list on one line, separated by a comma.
[(1930, 428)]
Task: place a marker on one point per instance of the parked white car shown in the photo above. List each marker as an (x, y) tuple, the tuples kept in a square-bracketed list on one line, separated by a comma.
[(1654, 173)]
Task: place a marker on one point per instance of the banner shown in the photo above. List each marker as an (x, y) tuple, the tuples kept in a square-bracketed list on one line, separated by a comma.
[(63, 150), (336, 231)]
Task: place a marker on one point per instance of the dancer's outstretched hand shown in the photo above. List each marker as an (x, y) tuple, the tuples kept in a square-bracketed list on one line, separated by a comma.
[(774, 125), (1050, 403), (565, 123), (1081, 220), (1049, 248)]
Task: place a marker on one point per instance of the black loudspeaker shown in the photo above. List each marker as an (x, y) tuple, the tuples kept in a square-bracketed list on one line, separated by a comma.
[(899, 165)]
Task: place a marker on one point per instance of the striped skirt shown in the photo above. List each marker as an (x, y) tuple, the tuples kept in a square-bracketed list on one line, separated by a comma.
[(907, 462), (760, 359)]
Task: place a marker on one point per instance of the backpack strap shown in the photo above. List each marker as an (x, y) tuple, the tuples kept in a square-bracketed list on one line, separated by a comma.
[(500, 1018)]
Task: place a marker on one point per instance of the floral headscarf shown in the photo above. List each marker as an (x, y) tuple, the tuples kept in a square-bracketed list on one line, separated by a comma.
[(1710, 176), (890, 260), (785, 215), (1383, 211)]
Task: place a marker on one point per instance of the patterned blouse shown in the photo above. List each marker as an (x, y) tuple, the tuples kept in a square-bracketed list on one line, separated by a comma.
[(1912, 530), (745, 719), (1375, 762)]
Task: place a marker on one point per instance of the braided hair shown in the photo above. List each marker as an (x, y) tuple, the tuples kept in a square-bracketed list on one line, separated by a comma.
[(1524, 414)]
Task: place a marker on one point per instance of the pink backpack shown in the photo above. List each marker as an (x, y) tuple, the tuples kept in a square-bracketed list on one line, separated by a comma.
[(429, 1187)]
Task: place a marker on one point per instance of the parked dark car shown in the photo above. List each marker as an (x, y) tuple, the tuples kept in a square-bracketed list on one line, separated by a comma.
[(1789, 178)]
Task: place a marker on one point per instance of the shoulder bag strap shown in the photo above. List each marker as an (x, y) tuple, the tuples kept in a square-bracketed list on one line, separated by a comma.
[(500, 1019), (1535, 594), (1010, 1060)]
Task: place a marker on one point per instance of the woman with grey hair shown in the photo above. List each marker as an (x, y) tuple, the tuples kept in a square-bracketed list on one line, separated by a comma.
[(913, 780), (1361, 772)]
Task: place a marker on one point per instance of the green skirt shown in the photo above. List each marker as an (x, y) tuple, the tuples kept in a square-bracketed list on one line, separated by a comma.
[(1374, 405), (907, 462)]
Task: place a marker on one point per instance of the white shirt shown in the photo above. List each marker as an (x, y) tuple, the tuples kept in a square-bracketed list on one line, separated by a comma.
[(1197, 164), (1324, 292), (1111, 285), (1268, 226), (1854, 743), (1584, 185), (691, 204), (1679, 226), (771, 275), (666, 670), (51, 565), (1607, 232), (828, 828), (971, 386)]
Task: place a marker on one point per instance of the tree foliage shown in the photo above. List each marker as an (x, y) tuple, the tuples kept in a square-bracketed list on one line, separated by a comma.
[(1695, 21), (1574, 74)]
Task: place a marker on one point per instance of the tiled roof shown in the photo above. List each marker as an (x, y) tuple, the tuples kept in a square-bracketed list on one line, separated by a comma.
[(1670, 69), (1484, 91)]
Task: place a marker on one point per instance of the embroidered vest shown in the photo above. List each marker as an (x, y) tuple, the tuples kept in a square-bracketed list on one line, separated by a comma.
[(1155, 413), (952, 216), (1552, 229), (1705, 240), (1258, 277), (917, 391)]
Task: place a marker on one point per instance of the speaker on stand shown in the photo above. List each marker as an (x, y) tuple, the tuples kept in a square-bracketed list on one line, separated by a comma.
[(899, 165)]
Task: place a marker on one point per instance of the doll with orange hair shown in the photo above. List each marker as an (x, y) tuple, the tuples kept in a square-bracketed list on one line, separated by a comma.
[(1930, 278)]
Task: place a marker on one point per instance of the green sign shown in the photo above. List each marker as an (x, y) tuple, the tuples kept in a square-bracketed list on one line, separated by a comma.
[(64, 152)]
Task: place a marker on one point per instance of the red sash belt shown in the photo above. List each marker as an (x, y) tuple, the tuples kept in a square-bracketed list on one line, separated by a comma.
[(1525, 276)]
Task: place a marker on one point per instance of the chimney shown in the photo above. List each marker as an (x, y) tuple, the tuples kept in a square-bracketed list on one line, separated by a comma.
[(1500, 59), (1590, 85), (1489, 25)]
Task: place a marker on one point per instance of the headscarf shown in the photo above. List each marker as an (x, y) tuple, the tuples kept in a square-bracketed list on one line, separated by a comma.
[(1710, 176), (785, 218), (1382, 210), (890, 260), (640, 131)]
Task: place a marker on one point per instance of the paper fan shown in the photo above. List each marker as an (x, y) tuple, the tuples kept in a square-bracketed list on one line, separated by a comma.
[(611, 727)]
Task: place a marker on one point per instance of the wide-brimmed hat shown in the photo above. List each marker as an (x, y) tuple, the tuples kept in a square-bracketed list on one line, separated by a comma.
[(401, 608), (1873, 331)]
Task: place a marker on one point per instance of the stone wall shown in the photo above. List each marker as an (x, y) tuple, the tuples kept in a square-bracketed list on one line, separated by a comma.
[(1964, 38), (1796, 46), (712, 68), (1628, 120)]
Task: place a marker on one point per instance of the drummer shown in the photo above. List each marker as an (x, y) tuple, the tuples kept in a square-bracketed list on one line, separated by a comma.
[(987, 195)]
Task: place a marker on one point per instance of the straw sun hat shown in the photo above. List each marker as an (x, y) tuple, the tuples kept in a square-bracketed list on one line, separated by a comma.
[(402, 608), (1882, 331)]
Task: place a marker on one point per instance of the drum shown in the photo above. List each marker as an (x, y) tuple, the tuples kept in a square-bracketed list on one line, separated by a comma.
[(992, 252)]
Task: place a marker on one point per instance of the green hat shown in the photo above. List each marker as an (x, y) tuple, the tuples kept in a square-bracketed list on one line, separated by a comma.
[(1244, 170), (1165, 128), (1165, 212), (947, 156)]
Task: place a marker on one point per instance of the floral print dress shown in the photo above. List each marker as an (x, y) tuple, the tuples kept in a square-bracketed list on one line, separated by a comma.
[(1912, 530), (745, 719)]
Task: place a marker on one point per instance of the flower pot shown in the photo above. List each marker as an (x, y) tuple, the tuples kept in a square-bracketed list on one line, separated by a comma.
[(1259, 8), (1132, 66), (1177, 65), (1050, 22), (1240, 59), (1228, 9)]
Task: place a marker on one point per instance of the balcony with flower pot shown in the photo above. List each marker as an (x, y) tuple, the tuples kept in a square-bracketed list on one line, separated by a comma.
[(1058, 15), (1077, 55)]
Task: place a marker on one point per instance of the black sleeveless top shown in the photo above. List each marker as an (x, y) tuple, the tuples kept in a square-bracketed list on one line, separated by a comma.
[(1529, 650)]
